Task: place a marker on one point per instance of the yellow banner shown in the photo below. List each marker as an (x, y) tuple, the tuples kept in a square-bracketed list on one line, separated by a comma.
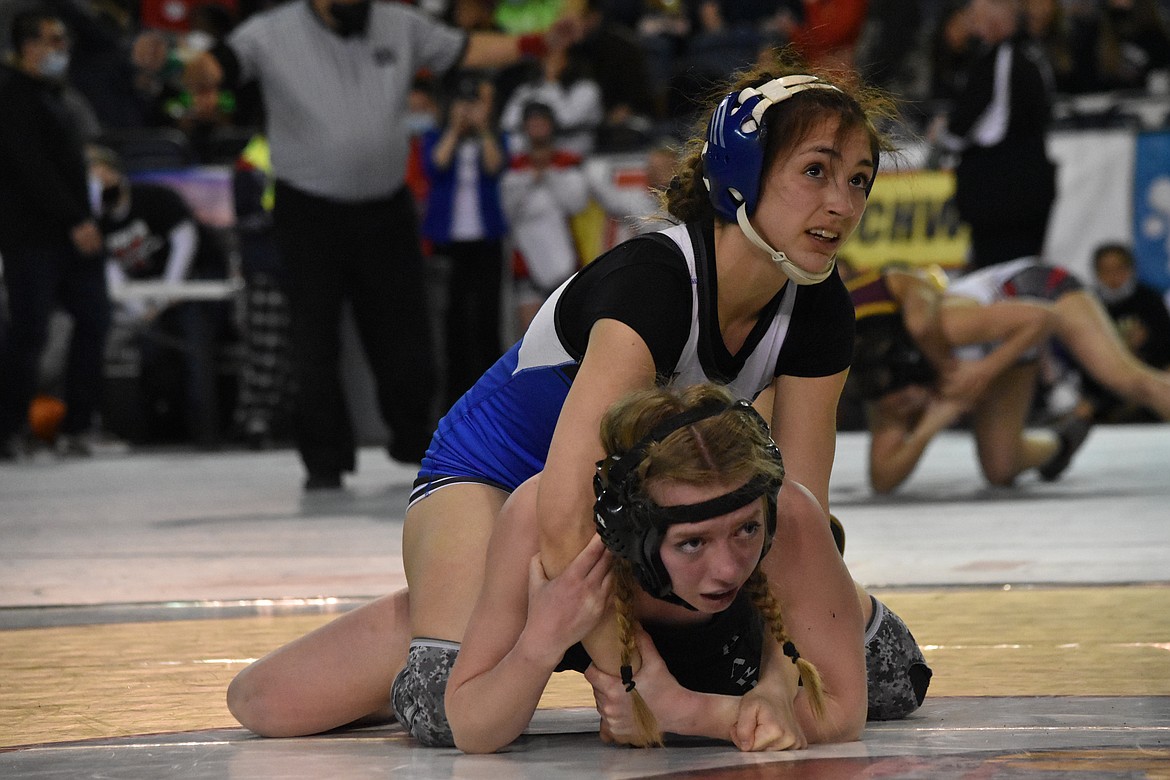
[(910, 218)]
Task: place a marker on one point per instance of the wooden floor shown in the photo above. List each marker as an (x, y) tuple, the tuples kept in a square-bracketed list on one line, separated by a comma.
[(93, 681), (132, 589)]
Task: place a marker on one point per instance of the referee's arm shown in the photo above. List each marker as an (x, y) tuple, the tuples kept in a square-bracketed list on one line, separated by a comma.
[(492, 49), (206, 71)]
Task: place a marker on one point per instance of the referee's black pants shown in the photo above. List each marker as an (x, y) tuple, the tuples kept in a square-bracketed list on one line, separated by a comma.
[(367, 253)]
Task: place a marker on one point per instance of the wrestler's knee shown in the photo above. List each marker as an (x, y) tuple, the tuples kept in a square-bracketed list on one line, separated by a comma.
[(418, 690), (259, 705), (897, 673)]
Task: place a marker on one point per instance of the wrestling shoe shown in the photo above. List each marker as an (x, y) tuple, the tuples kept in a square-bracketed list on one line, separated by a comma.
[(1072, 435)]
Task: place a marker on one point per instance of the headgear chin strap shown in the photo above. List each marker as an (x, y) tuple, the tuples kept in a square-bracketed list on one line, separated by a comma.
[(790, 269), (632, 526), (733, 160)]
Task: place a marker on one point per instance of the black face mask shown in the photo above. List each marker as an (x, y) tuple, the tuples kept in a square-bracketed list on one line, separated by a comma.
[(351, 18), (110, 196)]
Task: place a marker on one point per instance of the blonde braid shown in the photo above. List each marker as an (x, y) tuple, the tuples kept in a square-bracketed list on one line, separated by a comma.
[(645, 724), (765, 602)]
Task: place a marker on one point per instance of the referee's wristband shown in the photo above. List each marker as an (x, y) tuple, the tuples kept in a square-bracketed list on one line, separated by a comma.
[(533, 45)]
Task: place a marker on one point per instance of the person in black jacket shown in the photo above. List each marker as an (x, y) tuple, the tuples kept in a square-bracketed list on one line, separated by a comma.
[(1143, 322), (50, 242), (1005, 185)]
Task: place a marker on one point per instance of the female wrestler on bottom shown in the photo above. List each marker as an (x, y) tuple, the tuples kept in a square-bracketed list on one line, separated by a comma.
[(690, 497)]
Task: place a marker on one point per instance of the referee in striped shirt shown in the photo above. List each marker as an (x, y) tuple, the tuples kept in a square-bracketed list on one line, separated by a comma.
[(335, 75)]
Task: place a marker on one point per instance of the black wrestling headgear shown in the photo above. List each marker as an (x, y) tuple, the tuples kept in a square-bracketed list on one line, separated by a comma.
[(632, 526), (886, 359)]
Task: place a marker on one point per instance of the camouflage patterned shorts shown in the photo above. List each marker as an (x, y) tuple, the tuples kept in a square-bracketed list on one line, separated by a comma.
[(417, 693), (897, 673)]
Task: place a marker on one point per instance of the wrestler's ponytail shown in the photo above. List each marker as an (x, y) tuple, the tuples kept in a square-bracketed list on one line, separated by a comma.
[(647, 733), (810, 678)]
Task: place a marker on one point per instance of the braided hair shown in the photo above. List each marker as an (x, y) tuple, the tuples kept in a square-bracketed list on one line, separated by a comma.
[(724, 447)]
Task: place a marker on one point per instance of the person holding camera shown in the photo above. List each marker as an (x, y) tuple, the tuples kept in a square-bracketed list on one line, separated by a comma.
[(464, 161)]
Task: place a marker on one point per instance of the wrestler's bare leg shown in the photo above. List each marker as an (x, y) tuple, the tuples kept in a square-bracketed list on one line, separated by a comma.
[(1085, 329), (331, 677), (444, 545), (1005, 449)]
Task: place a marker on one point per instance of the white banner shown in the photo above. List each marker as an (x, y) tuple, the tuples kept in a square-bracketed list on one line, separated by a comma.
[(1094, 196)]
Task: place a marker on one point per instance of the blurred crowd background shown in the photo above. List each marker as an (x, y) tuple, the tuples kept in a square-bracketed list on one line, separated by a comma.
[(586, 134)]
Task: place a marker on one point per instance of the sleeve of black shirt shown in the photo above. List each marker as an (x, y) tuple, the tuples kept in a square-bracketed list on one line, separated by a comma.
[(976, 94), (820, 337), (1156, 317), (23, 148), (642, 283)]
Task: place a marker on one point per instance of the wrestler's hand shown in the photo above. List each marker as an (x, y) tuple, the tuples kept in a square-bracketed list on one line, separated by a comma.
[(942, 413), (767, 723), (657, 686), (965, 381), (614, 705), (561, 611)]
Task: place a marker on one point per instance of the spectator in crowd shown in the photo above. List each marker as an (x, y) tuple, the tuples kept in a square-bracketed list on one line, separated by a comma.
[(634, 209), (49, 238), (887, 53), (514, 17), (157, 73), (464, 162), (77, 103), (727, 35), (1005, 185), (1064, 44), (101, 66), (953, 46), (205, 116), (151, 234), (344, 220), (542, 190), (663, 30), (267, 389), (829, 32), (1130, 39), (562, 83), (618, 64), (1142, 320), (521, 17)]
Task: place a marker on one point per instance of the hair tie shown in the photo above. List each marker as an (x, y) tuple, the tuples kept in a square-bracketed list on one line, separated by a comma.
[(628, 678), (790, 651)]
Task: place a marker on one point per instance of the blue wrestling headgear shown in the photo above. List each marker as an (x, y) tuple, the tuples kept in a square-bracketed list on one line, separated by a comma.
[(733, 160), (632, 526)]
